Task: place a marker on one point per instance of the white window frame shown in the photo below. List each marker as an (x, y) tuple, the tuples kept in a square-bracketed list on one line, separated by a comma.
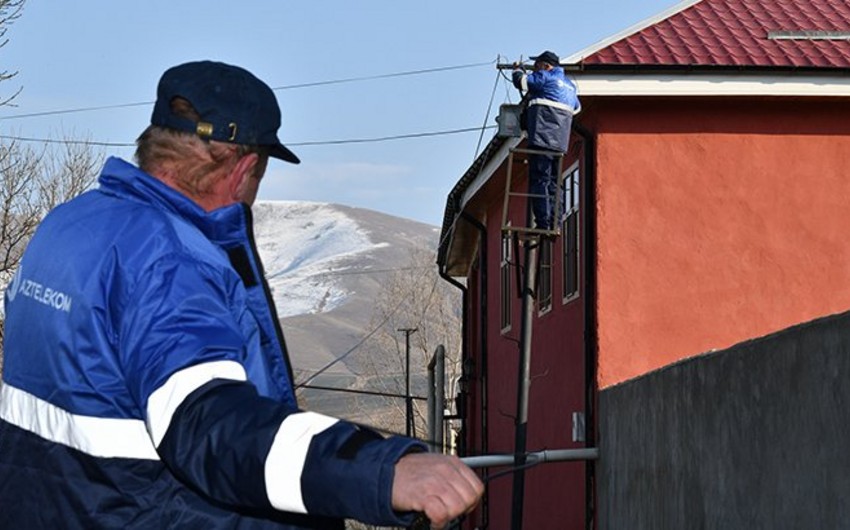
[(505, 283), (572, 177)]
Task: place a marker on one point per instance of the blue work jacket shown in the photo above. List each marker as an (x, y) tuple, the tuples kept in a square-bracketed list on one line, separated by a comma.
[(552, 102), (147, 383)]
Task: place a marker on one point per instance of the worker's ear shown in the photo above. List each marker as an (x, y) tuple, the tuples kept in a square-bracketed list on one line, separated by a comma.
[(241, 173)]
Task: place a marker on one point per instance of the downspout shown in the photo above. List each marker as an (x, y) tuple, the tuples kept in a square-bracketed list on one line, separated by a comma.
[(464, 377), (482, 306), (588, 246), (482, 293)]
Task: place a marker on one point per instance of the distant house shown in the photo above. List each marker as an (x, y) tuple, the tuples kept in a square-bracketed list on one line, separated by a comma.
[(709, 198)]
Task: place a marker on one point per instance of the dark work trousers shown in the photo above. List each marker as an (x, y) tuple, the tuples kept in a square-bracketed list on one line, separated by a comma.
[(542, 186)]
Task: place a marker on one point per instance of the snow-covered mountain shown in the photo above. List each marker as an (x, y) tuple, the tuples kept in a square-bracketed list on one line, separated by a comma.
[(304, 246), (325, 264)]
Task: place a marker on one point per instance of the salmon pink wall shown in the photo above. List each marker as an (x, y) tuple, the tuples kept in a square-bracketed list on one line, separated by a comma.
[(718, 221)]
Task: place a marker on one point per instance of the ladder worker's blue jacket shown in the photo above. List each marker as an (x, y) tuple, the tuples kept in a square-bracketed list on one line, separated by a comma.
[(147, 384), (552, 102)]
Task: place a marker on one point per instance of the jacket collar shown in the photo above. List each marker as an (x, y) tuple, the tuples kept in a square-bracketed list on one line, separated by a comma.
[(223, 225)]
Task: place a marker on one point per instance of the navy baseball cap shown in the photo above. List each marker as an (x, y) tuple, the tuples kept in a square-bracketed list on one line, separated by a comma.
[(234, 106), (547, 57)]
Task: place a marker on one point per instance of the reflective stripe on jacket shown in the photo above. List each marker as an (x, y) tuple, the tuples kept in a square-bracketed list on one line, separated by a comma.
[(552, 103), (146, 382)]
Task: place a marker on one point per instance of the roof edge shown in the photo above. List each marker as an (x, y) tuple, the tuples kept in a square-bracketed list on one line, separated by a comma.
[(455, 200), (604, 43), (713, 85)]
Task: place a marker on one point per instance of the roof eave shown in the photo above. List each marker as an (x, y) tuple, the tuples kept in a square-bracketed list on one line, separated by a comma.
[(477, 173), (470, 184), (713, 82), (583, 67)]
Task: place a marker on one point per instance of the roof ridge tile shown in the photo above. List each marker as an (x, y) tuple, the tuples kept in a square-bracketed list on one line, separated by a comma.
[(737, 32)]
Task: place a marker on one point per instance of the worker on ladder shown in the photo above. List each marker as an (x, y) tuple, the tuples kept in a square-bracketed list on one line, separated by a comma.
[(552, 103)]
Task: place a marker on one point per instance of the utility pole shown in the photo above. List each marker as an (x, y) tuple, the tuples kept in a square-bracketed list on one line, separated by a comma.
[(408, 401), (524, 380)]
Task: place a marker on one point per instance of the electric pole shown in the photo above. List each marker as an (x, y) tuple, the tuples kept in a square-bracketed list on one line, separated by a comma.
[(408, 401)]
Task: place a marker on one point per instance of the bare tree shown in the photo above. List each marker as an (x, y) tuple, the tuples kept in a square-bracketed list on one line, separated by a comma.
[(33, 181), (10, 11), (13, 225), (414, 297), (68, 173), (20, 212)]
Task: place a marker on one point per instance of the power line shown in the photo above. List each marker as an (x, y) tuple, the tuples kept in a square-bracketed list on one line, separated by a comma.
[(361, 341), (384, 76), (284, 87), (293, 144), (387, 373), (373, 271), (66, 142), (351, 350), (385, 138), (487, 117), (72, 111), (363, 392)]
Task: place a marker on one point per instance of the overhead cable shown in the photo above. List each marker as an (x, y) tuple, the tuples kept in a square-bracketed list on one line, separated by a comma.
[(349, 272), (293, 144), (71, 111), (351, 350), (65, 142), (363, 392), (386, 138), (284, 87), (384, 76), (487, 116)]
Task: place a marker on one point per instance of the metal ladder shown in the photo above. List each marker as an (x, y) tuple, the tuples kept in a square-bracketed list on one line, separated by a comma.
[(526, 228)]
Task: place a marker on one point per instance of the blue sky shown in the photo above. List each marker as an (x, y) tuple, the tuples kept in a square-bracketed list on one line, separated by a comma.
[(92, 53)]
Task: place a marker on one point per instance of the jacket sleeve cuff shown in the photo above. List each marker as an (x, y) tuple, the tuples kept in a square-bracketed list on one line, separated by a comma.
[(349, 472)]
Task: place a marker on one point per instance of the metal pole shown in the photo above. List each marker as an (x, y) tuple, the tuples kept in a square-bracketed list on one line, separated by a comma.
[(409, 429), (432, 404), (436, 398), (440, 401), (538, 457), (524, 380)]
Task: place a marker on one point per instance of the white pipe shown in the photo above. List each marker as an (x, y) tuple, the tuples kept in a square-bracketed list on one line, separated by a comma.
[(547, 455)]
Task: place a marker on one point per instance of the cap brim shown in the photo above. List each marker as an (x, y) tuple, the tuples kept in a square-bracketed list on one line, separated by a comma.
[(281, 152)]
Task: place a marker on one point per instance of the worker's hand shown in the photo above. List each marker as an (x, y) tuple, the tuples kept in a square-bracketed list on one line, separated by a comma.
[(440, 486), (516, 65)]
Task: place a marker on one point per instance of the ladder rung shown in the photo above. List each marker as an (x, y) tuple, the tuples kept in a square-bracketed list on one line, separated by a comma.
[(537, 152), (530, 230), (521, 194)]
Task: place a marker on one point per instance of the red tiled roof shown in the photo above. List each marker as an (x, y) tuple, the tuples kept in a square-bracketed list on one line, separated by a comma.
[(739, 33)]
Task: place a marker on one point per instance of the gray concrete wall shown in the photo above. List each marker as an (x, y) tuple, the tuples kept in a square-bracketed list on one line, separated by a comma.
[(754, 437)]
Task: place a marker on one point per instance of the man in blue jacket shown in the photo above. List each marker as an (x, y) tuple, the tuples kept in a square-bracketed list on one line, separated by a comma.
[(147, 382), (552, 102)]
